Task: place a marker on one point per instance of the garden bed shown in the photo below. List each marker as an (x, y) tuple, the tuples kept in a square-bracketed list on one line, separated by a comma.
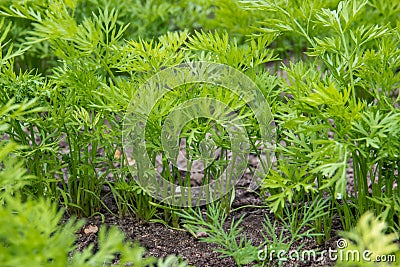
[(161, 240), (202, 133)]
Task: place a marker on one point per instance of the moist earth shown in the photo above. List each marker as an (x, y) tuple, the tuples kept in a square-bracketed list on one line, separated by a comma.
[(161, 240)]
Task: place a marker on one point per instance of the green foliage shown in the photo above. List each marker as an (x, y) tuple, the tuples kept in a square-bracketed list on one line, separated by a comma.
[(131, 199), (31, 232), (373, 244), (13, 176), (69, 70), (298, 222), (232, 243), (341, 105), (25, 236), (90, 62), (36, 238)]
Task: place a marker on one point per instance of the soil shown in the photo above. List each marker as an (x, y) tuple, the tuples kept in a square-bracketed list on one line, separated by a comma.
[(161, 240)]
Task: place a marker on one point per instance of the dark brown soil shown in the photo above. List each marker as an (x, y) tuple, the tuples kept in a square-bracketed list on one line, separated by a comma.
[(160, 240)]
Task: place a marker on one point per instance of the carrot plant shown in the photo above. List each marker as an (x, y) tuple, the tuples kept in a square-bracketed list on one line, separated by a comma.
[(340, 108), (369, 235), (334, 98), (13, 177), (91, 75)]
